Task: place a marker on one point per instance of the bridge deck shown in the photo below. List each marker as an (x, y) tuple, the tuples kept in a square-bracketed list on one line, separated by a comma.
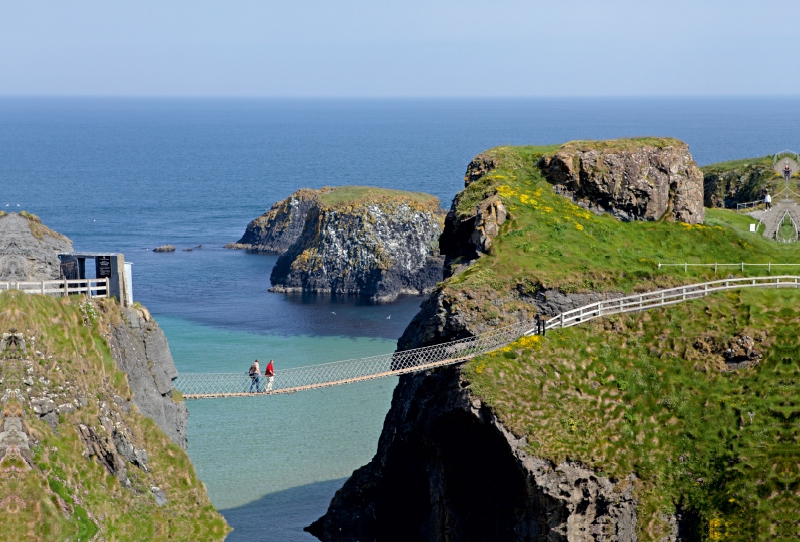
[(207, 386)]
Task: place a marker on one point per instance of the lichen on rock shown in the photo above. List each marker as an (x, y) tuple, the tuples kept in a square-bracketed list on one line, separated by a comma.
[(376, 243), (278, 228), (648, 181)]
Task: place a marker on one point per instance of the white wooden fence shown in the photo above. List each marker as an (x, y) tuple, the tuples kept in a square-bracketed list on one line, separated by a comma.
[(62, 287), (662, 298)]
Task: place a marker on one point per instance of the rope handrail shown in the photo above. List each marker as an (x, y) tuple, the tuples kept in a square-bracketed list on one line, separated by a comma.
[(208, 385)]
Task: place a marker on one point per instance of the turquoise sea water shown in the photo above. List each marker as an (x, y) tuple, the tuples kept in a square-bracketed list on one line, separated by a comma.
[(131, 174)]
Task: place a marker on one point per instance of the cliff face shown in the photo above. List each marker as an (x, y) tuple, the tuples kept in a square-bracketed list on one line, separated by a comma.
[(447, 470), (277, 229), (378, 245), (742, 181), (633, 181), (140, 349), (28, 249), (79, 458)]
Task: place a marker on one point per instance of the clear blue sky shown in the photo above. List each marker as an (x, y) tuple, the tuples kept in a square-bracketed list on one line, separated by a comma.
[(399, 48)]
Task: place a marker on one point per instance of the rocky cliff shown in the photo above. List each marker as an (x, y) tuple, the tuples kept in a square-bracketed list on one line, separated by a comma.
[(740, 181), (365, 241), (28, 249), (140, 349), (599, 432), (639, 179), (277, 229), (447, 470), (79, 459)]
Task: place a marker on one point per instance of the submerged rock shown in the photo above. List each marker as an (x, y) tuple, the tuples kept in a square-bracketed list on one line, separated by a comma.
[(165, 248)]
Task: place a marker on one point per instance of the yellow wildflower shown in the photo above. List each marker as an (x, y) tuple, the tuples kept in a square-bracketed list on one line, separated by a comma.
[(579, 227)]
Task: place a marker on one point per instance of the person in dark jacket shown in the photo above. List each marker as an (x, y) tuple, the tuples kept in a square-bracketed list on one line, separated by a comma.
[(255, 378)]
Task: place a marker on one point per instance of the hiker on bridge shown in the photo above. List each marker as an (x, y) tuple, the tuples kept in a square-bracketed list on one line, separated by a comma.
[(768, 201), (255, 378), (787, 172), (269, 372)]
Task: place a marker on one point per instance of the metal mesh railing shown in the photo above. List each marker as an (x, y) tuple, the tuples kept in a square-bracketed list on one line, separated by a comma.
[(196, 385), (206, 385)]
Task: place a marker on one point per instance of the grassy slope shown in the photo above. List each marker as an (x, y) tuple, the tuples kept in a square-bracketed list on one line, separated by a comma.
[(634, 394), (347, 195), (631, 393), (85, 364)]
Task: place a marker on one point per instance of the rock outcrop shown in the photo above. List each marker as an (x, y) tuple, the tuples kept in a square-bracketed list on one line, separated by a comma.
[(28, 249), (631, 179), (277, 229), (140, 349), (376, 243), (446, 470), (742, 181)]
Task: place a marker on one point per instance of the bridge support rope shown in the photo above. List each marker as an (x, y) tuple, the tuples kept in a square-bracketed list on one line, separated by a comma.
[(211, 385)]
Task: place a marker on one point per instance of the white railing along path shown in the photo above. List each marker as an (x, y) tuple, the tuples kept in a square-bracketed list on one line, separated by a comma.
[(61, 287), (209, 385)]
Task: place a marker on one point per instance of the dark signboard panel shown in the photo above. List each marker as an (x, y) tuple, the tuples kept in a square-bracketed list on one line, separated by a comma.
[(103, 266), (69, 269)]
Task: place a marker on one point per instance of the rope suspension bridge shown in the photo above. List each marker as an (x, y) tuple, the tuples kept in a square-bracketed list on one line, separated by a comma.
[(211, 385)]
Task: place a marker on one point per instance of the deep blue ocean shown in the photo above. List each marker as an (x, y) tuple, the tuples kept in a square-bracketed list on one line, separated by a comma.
[(128, 175)]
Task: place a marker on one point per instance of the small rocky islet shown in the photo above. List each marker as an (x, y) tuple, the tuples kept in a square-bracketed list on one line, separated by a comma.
[(351, 240), (675, 424)]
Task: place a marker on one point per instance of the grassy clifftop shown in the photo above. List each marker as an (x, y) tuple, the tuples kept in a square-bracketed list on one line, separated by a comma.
[(652, 394), (58, 484), (699, 401), (550, 242), (351, 195)]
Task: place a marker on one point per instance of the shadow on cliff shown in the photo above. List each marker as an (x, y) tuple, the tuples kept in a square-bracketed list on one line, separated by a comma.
[(281, 516)]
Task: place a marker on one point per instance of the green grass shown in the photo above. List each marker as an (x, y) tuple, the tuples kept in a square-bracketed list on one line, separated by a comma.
[(550, 242), (344, 195), (649, 394), (77, 356), (738, 164)]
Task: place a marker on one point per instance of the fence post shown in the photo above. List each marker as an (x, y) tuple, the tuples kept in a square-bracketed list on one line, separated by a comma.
[(42, 287), (66, 288), (715, 268), (562, 319), (684, 267), (769, 267), (742, 267)]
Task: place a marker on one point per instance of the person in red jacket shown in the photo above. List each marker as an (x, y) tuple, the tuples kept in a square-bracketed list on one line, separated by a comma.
[(269, 372)]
